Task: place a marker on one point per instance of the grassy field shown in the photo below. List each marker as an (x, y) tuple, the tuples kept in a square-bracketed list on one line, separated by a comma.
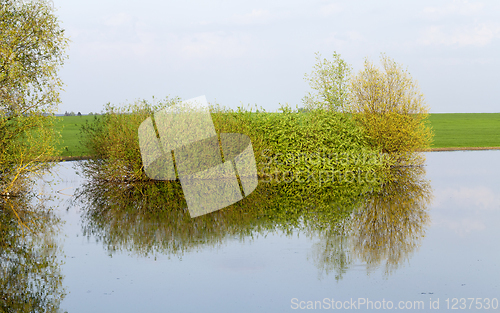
[(69, 126), (466, 130), (451, 130)]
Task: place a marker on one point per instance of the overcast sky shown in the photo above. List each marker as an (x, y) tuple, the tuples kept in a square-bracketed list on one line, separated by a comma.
[(257, 52)]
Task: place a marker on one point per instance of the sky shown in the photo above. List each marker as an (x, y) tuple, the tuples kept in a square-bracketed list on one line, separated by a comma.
[(247, 53)]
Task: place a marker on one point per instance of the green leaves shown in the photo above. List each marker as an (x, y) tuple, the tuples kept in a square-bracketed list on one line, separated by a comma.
[(112, 139), (32, 48), (318, 145), (330, 80), (388, 104)]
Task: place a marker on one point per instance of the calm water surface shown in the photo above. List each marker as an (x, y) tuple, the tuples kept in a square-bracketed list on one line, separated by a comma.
[(446, 248)]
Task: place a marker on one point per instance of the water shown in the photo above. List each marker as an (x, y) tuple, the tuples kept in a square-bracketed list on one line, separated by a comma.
[(433, 247)]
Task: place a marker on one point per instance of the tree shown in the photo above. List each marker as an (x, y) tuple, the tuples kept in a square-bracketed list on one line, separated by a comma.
[(32, 48), (330, 80), (389, 105)]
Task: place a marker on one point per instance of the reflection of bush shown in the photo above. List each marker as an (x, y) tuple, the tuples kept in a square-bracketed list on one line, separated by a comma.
[(373, 223), (392, 222), (385, 229), (29, 271), (150, 217)]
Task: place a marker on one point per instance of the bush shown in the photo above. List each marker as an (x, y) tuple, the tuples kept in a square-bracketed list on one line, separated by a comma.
[(303, 144), (291, 144), (112, 140), (388, 104)]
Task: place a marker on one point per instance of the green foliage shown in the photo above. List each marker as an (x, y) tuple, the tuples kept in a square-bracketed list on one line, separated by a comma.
[(112, 140), (303, 146), (451, 130), (330, 80), (31, 51), (27, 143), (297, 145), (388, 104)]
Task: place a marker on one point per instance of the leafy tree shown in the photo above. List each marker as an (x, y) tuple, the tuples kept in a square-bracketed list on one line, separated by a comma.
[(32, 48), (388, 103), (330, 80)]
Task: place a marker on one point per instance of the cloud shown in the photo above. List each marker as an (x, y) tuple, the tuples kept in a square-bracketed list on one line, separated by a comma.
[(471, 198), (215, 44), (344, 39), (460, 23), (119, 19), (456, 8), (461, 226), (150, 48), (330, 9), (479, 35), (256, 16)]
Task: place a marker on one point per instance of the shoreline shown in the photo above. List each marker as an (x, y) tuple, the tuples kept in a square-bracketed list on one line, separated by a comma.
[(70, 158), (87, 157), (460, 149)]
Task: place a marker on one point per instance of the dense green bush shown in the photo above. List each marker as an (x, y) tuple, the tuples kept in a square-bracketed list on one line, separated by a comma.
[(288, 145), (112, 140)]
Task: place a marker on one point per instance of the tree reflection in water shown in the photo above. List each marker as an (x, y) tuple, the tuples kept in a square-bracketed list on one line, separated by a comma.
[(386, 229), (374, 223), (30, 276)]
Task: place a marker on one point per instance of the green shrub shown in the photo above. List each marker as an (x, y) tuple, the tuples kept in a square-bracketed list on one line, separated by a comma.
[(389, 105), (289, 144), (112, 140), (386, 103), (303, 144)]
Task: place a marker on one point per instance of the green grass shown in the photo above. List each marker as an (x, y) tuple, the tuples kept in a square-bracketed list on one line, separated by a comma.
[(69, 126), (466, 130), (450, 130)]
